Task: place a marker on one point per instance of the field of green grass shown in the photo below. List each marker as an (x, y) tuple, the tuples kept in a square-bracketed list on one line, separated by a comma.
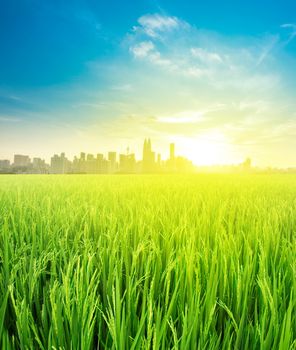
[(148, 262)]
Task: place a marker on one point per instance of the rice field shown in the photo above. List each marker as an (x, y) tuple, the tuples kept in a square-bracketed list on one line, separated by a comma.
[(148, 262)]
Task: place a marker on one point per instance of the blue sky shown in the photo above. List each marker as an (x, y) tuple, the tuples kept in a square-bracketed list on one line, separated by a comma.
[(95, 75)]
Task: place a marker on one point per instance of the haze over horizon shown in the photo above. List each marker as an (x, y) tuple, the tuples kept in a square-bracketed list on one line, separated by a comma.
[(218, 80)]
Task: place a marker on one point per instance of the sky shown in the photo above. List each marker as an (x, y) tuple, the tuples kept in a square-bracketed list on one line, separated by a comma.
[(218, 78)]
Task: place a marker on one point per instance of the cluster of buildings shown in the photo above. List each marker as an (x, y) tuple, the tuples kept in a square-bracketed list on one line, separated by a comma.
[(99, 164)]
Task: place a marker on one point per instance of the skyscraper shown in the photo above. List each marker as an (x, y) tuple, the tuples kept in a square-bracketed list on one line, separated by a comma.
[(172, 159), (148, 157), (172, 151)]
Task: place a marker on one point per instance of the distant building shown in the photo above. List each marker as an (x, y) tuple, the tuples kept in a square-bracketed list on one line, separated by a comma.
[(100, 164), (4, 164), (148, 157), (91, 166), (39, 166), (183, 165), (59, 164), (21, 161), (172, 159), (127, 163), (172, 151), (38, 162), (159, 159), (112, 162)]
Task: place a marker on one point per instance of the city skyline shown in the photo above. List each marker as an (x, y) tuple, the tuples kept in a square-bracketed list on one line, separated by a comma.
[(114, 162), (145, 155), (132, 146), (100, 163), (212, 76)]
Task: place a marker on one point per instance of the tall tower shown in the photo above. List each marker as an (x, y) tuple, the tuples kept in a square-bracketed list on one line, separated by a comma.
[(149, 146), (172, 151), (148, 157), (144, 151)]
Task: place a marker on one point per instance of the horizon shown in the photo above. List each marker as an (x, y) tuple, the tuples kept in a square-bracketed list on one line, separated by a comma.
[(216, 79), (138, 155)]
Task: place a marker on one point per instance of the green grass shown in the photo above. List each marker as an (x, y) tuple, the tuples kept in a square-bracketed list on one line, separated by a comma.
[(148, 262)]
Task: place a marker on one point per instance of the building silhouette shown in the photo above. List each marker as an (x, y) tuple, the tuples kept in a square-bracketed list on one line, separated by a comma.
[(21, 160), (99, 164), (112, 162), (148, 157), (59, 164), (172, 151), (39, 166), (4, 164), (127, 163), (172, 160)]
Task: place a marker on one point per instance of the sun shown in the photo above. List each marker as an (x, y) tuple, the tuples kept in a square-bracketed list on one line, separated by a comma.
[(206, 149)]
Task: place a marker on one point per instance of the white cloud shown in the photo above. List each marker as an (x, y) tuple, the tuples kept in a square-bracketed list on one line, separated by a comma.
[(289, 25), (147, 50), (267, 48), (142, 49), (205, 56), (154, 25), (157, 59), (292, 35), (195, 72)]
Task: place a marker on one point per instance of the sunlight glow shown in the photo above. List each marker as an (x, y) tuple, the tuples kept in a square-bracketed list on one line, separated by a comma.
[(207, 149)]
